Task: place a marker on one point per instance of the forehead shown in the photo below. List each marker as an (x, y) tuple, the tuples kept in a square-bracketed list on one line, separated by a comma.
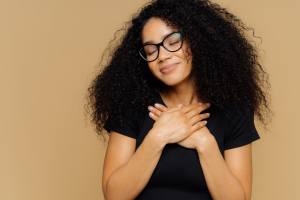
[(155, 29)]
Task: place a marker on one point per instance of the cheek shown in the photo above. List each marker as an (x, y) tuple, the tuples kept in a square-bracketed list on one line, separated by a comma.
[(186, 61), (152, 67), (187, 57), (186, 53), (185, 69), (183, 56)]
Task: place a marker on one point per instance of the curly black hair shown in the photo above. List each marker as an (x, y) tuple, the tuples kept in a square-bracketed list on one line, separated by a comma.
[(225, 63)]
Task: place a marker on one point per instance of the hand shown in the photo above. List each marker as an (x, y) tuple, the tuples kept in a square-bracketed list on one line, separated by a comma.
[(193, 138), (176, 124)]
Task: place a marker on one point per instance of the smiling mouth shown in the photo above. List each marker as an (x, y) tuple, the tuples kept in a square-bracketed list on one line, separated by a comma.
[(169, 68)]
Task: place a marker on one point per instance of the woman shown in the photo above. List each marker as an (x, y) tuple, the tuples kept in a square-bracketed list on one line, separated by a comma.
[(178, 97)]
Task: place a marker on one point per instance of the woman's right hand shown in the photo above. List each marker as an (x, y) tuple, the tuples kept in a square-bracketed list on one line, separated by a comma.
[(179, 122)]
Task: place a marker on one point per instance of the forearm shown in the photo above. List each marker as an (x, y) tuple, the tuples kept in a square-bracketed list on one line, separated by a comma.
[(129, 180), (221, 183)]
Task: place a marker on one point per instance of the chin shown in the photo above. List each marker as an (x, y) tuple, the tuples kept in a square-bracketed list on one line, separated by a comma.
[(172, 81), (174, 78)]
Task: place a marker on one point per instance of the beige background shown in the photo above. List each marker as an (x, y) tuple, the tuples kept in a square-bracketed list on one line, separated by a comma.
[(49, 52)]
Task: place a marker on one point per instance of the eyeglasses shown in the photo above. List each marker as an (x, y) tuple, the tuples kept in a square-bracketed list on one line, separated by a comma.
[(172, 42)]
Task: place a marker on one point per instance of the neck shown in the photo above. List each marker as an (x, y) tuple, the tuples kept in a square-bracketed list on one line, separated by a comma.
[(183, 93)]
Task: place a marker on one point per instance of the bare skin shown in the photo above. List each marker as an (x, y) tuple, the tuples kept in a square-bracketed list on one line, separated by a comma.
[(227, 179), (123, 163), (190, 112)]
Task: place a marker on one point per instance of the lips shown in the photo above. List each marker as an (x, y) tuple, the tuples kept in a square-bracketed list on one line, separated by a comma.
[(167, 68)]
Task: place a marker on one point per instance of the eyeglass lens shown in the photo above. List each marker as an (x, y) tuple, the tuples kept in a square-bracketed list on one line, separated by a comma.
[(171, 43)]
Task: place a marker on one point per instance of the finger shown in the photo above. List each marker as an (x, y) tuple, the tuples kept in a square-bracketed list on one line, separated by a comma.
[(199, 107), (153, 116), (160, 107), (174, 109), (190, 107), (205, 106), (154, 110), (195, 111), (199, 117), (198, 125)]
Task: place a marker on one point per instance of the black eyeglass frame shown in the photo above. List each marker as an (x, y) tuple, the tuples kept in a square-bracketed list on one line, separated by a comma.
[(161, 44)]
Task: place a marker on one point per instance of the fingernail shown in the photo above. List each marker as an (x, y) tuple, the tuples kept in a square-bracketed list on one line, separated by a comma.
[(150, 107), (156, 105)]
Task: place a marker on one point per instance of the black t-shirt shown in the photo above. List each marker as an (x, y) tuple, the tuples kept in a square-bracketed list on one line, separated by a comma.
[(178, 174)]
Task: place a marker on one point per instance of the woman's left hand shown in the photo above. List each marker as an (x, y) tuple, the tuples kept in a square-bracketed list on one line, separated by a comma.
[(197, 140)]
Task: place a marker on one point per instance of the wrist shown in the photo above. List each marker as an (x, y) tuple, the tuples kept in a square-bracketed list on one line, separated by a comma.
[(156, 138), (206, 144)]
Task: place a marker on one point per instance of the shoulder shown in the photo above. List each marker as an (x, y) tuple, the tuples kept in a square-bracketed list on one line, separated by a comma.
[(125, 123), (233, 113), (241, 127)]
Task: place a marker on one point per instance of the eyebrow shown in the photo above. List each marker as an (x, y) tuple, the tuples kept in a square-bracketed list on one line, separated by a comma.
[(152, 42)]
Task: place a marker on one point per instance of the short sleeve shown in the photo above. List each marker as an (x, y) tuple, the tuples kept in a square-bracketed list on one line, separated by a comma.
[(242, 129), (126, 128)]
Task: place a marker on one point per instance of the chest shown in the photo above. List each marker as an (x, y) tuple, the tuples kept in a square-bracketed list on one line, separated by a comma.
[(179, 166)]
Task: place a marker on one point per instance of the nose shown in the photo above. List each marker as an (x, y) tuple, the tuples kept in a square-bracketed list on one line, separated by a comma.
[(163, 53)]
